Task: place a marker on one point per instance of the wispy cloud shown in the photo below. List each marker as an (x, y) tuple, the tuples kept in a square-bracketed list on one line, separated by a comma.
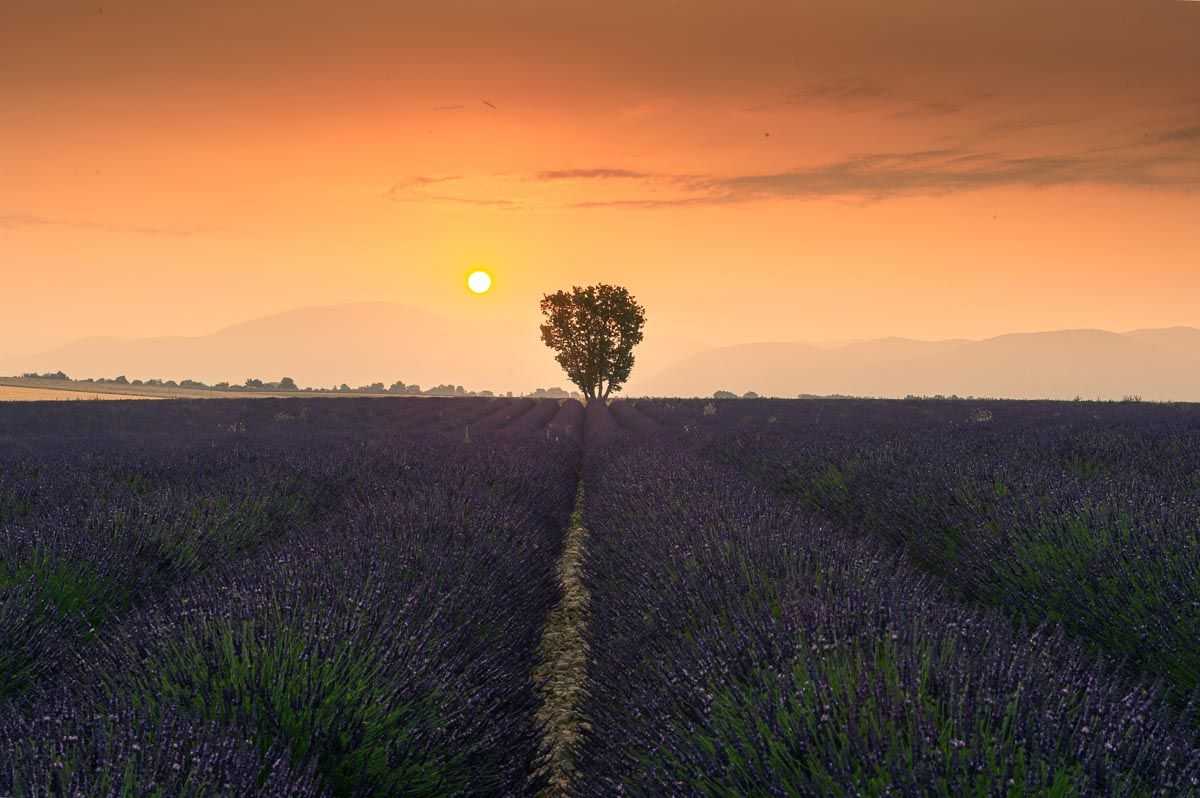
[(412, 189), (886, 175), (930, 109), (840, 91), (1163, 161), (420, 181), (16, 221), (652, 204), (480, 201), (1185, 134), (592, 174), (933, 172)]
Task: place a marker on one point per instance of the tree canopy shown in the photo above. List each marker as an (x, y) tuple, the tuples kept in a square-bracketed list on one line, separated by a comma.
[(593, 331)]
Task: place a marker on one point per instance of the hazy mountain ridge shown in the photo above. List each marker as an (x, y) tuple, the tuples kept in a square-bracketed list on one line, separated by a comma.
[(1160, 364), (382, 341), (318, 346)]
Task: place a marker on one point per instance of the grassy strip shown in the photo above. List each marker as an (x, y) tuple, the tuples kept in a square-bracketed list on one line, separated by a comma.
[(561, 674)]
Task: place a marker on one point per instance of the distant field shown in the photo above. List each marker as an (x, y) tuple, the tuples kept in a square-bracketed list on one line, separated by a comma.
[(18, 389), (11, 393)]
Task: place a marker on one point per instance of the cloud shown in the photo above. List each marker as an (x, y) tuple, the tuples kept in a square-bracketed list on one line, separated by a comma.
[(840, 91), (448, 107), (412, 190), (592, 174), (931, 173), (935, 172), (651, 204), (495, 203), (411, 183), (925, 110), (1166, 161), (1186, 134), (15, 221)]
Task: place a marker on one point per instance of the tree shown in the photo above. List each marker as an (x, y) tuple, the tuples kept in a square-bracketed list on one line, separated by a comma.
[(724, 395), (287, 384), (593, 332)]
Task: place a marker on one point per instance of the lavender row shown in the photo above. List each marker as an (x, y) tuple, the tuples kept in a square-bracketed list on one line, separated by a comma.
[(742, 647), (1084, 514), (384, 646)]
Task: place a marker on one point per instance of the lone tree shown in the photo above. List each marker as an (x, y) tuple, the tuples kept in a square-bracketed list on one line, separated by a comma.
[(593, 332)]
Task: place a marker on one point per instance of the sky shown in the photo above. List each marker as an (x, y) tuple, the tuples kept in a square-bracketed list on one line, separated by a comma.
[(752, 171)]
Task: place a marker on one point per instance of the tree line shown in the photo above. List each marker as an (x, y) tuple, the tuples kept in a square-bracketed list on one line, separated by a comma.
[(288, 385)]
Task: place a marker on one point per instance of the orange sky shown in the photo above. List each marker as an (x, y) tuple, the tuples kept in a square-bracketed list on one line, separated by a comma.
[(932, 169)]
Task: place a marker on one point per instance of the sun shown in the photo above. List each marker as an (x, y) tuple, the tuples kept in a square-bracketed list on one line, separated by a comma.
[(479, 281)]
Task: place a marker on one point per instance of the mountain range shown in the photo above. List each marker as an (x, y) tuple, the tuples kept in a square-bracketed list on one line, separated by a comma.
[(378, 341), (356, 343), (1158, 364)]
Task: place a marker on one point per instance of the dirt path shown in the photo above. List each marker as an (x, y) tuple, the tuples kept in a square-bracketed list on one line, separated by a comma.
[(561, 674)]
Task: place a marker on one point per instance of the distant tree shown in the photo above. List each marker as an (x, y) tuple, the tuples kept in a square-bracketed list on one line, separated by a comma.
[(171, 384), (122, 380), (343, 388), (253, 383), (749, 395), (155, 383), (724, 395), (593, 331), (288, 384), (136, 382), (549, 393), (194, 384), (396, 387), (221, 386), (412, 390)]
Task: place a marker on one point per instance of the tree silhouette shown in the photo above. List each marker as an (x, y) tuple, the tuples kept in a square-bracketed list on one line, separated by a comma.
[(593, 332)]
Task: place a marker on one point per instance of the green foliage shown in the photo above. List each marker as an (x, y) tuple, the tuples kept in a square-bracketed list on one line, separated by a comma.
[(71, 588), (875, 720), (42, 588), (322, 700), (593, 332), (1119, 580)]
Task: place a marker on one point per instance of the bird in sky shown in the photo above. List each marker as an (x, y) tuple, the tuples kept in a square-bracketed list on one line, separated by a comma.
[(489, 105)]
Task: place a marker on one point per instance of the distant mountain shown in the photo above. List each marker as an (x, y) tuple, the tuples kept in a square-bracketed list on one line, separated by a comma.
[(1161, 364), (382, 341), (323, 346)]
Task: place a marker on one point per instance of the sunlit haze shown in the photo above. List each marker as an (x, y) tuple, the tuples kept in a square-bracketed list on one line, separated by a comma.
[(753, 172)]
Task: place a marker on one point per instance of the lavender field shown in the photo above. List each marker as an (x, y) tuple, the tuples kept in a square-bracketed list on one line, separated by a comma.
[(427, 597)]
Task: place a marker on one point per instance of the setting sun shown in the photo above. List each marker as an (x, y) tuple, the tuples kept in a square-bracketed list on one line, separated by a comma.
[(480, 282)]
